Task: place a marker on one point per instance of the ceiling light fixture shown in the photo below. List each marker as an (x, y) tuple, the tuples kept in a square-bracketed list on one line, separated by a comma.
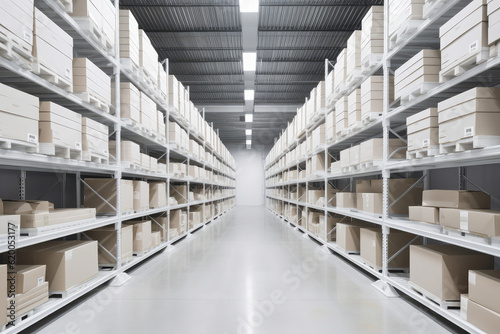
[(249, 6), (249, 61), (249, 118), (249, 94)]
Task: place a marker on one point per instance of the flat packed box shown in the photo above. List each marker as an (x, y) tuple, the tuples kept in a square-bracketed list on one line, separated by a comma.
[(493, 9), (106, 188), (88, 78), (145, 161), (53, 48), (173, 91), (148, 113), (340, 71), (372, 95), (148, 57), (19, 115), (459, 199), (426, 214), (341, 114), (142, 235), (482, 317), (17, 18), (484, 288), (141, 195), (95, 137), (442, 270), (130, 101), (372, 31), (371, 247), (480, 222), (61, 216), (25, 302), (354, 108), (157, 194), (60, 126), (372, 150), (106, 236), (471, 113), (422, 68), (403, 11), (354, 155), (464, 36), (353, 63), (423, 130), (346, 200), (129, 38), (27, 277), (68, 263), (178, 220), (101, 13), (130, 151)]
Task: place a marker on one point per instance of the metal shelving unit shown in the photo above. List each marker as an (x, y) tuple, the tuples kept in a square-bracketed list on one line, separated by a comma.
[(12, 74), (393, 120)]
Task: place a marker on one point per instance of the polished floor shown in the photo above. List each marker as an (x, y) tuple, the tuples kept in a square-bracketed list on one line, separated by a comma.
[(248, 273)]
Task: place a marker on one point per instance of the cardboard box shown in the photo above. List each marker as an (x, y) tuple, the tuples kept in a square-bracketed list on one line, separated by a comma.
[(61, 216), (60, 126), (160, 224), (459, 199), (354, 155), (157, 194), (106, 237), (341, 114), (142, 235), (129, 38), (101, 13), (480, 222), (17, 18), (141, 195), (493, 9), (371, 247), (178, 220), (372, 150), (483, 318), (426, 214), (371, 202), (53, 47), (95, 137), (484, 288), (14, 207), (155, 239), (27, 277), (19, 115), (88, 78), (130, 151), (442, 270), (130, 101), (354, 108), (148, 57), (68, 263), (346, 200), (423, 130), (106, 188), (348, 237), (25, 302), (148, 112), (465, 35)]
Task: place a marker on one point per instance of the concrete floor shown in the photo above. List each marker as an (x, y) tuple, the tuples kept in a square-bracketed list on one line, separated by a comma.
[(248, 273)]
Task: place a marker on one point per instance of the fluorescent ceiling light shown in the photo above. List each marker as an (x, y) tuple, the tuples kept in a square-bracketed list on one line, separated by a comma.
[(249, 118), (249, 142), (248, 132), (249, 94), (249, 6), (250, 61)]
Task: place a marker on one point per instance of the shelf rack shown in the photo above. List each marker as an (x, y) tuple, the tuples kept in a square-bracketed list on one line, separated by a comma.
[(393, 120), (19, 77)]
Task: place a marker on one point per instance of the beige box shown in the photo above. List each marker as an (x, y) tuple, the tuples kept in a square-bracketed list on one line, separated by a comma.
[(68, 263), (341, 114), (17, 18), (173, 91), (52, 47), (25, 302), (130, 101), (155, 239), (179, 192), (484, 288), (493, 9), (130, 151), (19, 115), (95, 137), (142, 235), (346, 200), (371, 247), (178, 220), (101, 13), (426, 214), (141, 195), (372, 202), (423, 130), (148, 112), (340, 70), (345, 158), (372, 150), (61, 216), (442, 270), (459, 199), (106, 237), (480, 222), (106, 188), (465, 35), (27, 277), (88, 78), (129, 37), (354, 155), (353, 63), (354, 108), (60, 126), (348, 237), (482, 317), (157, 194), (160, 224), (148, 57)]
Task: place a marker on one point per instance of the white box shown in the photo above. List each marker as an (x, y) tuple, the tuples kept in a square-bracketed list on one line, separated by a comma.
[(60, 126), (88, 78), (129, 38)]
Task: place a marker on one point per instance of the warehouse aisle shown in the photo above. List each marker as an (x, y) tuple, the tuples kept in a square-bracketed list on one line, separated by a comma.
[(246, 274)]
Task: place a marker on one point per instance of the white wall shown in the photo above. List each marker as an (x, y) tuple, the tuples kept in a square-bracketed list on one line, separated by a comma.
[(249, 174)]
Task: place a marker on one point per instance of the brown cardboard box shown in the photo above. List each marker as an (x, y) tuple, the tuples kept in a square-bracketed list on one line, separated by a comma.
[(372, 150), (61, 216), (423, 129), (142, 235), (363, 186), (371, 202), (157, 194), (484, 222), (141, 195), (459, 199), (106, 237), (130, 151), (346, 200), (426, 214), (88, 78), (162, 227), (106, 188), (14, 207), (69, 263), (60, 126), (27, 277), (28, 301), (484, 288), (483, 318), (156, 239), (371, 247), (95, 137), (442, 270), (130, 103), (348, 237), (179, 192)]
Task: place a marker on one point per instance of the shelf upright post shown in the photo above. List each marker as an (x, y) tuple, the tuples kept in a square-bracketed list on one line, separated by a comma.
[(204, 169), (78, 189), (22, 184), (167, 136)]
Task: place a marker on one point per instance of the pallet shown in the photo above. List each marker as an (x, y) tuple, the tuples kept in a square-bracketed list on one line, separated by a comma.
[(139, 254), (476, 142), (404, 32), (472, 237), (371, 117), (60, 151), (94, 101), (417, 91), (96, 33), (16, 49), (133, 124), (350, 169), (370, 62), (432, 6), (376, 164), (130, 68), (131, 165), (423, 153), (353, 78), (94, 157), (355, 126), (472, 61), (36, 231), (66, 5), (49, 75), (444, 304), (148, 84), (17, 145)]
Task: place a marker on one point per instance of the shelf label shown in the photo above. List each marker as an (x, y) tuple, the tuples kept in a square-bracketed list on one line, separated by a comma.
[(67, 73), (469, 132), (105, 151), (40, 281), (464, 220), (32, 138), (28, 37), (426, 142), (472, 278), (78, 145), (69, 255), (473, 47)]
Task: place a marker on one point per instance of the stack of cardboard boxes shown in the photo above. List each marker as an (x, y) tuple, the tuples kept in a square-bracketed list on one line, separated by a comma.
[(353, 64), (106, 237), (91, 83), (372, 37), (129, 41), (95, 139), (403, 16), (60, 127), (148, 60)]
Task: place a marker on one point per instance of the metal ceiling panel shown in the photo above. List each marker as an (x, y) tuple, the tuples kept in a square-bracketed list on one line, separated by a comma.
[(289, 78), (197, 40), (200, 55), (206, 68), (299, 55), (183, 3), (207, 79), (353, 3), (301, 67), (302, 40)]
